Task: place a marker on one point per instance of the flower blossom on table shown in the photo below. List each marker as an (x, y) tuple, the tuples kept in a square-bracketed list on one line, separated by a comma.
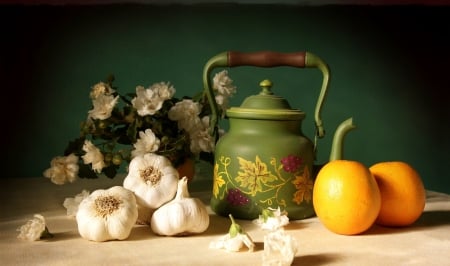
[(63, 169), (279, 248), (34, 229), (71, 204), (224, 87), (149, 101), (147, 142), (233, 244), (93, 156), (103, 106), (272, 219), (234, 240)]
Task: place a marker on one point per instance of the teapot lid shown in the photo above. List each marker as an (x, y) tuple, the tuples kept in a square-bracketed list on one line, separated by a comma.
[(265, 105)]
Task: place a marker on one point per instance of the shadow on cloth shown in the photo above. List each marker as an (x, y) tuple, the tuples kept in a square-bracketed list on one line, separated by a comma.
[(61, 236), (426, 220), (217, 226), (316, 259), (433, 218)]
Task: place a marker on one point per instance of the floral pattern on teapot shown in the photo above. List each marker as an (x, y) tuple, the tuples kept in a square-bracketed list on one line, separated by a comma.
[(258, 177)]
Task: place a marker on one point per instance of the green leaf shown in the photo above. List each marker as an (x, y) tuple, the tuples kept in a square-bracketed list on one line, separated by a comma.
[(235, 228), (266, 214), (85, 171), (124, 139), (75, 146), (132, 132), (110, 171)]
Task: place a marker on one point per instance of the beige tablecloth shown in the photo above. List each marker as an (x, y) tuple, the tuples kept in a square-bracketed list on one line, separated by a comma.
[(427, 242)]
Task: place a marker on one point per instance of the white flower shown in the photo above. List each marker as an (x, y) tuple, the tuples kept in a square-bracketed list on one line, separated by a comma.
[(272, 219), (93, 156), (164, 90), (149, 101), (63, 169), (200, 138), (71, 204), (101, 88), (34, 229), (146, 101), (103, 106), (224, 87), (186, 114), (107, 214), (153, 179), (233, 244), (147, 142)]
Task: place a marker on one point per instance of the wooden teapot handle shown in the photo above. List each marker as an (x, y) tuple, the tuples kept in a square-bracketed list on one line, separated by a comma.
[(266, 59)]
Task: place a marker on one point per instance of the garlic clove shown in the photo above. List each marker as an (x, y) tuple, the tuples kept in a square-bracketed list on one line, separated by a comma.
[(118, 228), (95, 230)]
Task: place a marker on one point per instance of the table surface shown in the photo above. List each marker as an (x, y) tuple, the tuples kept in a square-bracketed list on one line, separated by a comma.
[(426, 242)]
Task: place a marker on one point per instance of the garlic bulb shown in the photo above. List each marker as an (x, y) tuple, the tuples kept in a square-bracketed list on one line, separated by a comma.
[(107, 214), (181, 216), (153, 180)]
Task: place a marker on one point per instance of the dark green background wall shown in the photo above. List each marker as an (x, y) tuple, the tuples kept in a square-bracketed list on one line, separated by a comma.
[(389, 69)]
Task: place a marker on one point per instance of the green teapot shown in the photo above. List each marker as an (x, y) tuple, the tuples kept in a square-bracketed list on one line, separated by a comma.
[(264, 160)]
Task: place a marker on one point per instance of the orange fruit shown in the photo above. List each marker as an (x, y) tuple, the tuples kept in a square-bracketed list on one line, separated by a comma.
[(346, 197), (402, 193)]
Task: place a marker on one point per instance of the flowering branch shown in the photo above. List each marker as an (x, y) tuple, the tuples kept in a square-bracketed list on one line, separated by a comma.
[(120, 127)]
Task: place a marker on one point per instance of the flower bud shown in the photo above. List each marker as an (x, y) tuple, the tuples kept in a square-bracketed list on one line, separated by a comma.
[(102, 124), (165, 139), (117, 159), (108, 157)]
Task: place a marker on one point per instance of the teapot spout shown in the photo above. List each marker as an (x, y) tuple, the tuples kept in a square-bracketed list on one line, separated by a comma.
[(337, 148)]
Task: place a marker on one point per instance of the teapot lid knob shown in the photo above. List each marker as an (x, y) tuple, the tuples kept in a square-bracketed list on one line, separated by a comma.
[(266, 85), (265, 105)]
